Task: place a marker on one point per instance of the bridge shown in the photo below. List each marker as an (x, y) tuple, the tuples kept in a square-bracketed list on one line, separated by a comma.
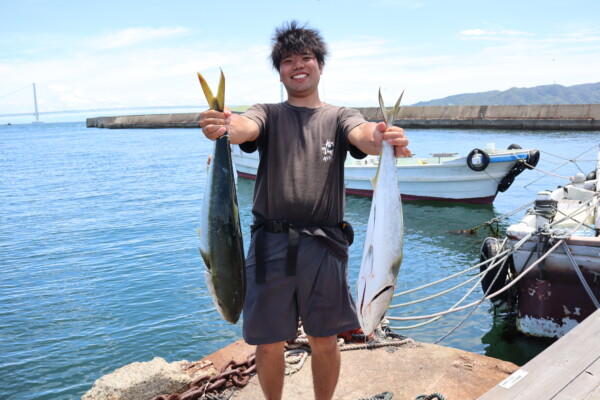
[(36, 113)]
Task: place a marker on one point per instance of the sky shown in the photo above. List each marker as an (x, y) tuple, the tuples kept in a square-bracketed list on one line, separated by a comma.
[(84, 55)]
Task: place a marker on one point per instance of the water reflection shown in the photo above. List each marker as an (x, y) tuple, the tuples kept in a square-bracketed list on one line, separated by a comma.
[(503, 341)]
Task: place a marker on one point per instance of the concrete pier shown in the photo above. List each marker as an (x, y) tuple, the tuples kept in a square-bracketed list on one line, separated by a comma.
[(181, 120), (542, 117)]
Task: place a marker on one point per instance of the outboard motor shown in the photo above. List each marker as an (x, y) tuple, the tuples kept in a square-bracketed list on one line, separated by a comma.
[(544, 208)]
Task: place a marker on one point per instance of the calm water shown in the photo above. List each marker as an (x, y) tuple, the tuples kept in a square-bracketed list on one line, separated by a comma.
[(99, 263)]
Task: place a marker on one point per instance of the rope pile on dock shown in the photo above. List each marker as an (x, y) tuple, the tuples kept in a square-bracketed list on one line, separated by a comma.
[(352, 340)]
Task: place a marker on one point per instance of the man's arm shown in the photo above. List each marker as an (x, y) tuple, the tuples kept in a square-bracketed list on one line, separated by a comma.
[(368, 137), (241, 129)]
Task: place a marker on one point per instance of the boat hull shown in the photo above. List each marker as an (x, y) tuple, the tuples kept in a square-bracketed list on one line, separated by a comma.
[(551, 297), (447, 179)]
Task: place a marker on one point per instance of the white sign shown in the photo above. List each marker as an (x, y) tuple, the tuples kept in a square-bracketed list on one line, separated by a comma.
[(513, 378)]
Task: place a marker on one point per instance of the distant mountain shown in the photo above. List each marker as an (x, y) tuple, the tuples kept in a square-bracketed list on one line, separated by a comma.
[(588, 93)]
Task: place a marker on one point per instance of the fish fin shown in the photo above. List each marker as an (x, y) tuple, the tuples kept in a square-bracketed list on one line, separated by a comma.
[(384, 112), (390, 116), (206, 259), (206, 89), (220, 100), (396, 110)]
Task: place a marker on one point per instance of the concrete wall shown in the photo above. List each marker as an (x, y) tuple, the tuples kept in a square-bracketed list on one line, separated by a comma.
[(550, 116), (182, 120)]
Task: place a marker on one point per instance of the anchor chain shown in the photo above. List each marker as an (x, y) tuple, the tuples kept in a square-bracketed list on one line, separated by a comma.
[(208, 388)]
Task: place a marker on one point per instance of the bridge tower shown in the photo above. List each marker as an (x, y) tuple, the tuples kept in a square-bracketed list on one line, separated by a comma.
[(37, 113)]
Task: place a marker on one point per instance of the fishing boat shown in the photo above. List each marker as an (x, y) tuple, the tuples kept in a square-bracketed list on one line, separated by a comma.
[(474, 178), (553, 259)]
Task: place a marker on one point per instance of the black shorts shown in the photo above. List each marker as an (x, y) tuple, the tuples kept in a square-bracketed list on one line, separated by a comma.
[(318, 294)]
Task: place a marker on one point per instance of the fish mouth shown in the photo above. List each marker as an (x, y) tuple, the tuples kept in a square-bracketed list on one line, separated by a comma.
[(379, 294), (382, 291), (373, 312)]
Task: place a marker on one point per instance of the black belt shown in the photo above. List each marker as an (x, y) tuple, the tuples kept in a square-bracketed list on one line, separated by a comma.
[(293, 244)]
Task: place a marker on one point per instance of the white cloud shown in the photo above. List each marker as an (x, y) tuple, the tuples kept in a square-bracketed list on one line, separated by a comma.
[(489, 35), (82, 77), (132, 36)]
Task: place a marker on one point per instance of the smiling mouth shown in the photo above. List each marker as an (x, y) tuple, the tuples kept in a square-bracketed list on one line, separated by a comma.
[(300, 76)]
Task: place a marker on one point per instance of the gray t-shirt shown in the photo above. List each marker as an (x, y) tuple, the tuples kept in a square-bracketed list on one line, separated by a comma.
[(300, 175)]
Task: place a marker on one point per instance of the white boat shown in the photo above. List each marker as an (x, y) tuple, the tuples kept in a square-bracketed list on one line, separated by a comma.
[(474, 178), (555, 259)]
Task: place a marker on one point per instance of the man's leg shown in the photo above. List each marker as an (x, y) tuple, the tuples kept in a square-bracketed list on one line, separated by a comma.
[(325, 360), (270, 366)]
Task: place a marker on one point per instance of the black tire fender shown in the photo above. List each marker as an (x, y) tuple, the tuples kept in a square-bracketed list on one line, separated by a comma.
[(489, 248), (533, 158), (506, 182), (514, 147), (591, 176), (485, 160)]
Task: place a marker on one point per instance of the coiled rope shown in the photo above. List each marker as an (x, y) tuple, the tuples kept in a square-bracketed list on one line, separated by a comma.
[(432, 396)]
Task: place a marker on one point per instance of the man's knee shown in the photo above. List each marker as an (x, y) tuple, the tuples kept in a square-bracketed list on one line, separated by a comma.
[(270, 349), (326, 344)]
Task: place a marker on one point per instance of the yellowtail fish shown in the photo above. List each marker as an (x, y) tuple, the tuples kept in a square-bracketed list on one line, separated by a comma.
[(221, 242), (382, 252)]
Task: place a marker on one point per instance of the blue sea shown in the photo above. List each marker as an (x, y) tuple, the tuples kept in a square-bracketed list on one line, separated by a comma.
[(99, 265)]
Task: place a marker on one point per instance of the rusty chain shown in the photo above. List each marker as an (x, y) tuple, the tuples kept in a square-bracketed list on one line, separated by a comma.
[(206, 387)]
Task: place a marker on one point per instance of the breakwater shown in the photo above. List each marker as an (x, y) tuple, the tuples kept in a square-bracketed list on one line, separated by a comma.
[(180, 120), (548, 117)]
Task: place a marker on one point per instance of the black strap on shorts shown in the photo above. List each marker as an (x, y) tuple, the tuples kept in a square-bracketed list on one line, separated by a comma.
[(293, 244)]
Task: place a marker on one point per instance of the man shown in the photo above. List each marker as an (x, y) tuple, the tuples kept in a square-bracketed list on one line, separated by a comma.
[(297, 261)]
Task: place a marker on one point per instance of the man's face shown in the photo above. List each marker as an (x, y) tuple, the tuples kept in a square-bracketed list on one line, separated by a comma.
[(300, 73)]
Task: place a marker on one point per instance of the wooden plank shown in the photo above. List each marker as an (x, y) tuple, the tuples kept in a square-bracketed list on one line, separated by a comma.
[(573, 356), (585, 386)]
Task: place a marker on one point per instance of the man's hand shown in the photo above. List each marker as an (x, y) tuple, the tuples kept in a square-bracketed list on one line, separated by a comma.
[(215, 123), (394, 135)]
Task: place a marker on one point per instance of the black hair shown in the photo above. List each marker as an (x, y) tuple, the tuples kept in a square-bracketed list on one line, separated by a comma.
[(291, 38)]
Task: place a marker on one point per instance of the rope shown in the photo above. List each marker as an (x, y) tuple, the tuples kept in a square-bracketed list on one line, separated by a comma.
[(484, 295), (433, 296), (436, 282), (225, 395), (501, 217), (548, 173), (432, 317), (498, 259), (294, 360), (380, 396), (376, 345), (504, 289), (574, 161), (430, 397)]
